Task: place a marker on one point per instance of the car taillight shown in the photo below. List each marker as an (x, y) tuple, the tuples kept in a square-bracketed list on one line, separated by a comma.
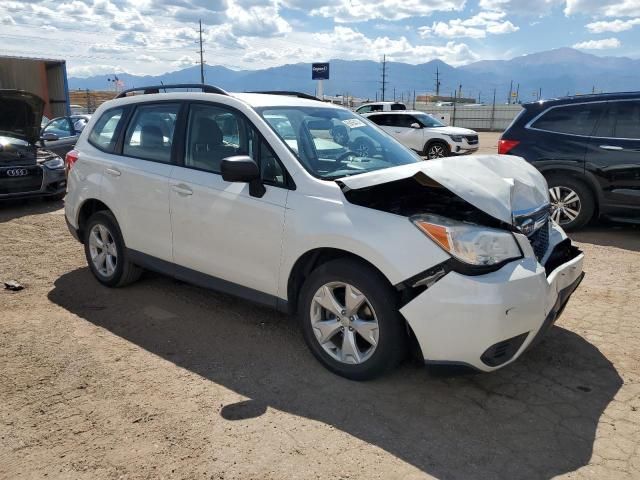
[(505, 146), (70, 159)]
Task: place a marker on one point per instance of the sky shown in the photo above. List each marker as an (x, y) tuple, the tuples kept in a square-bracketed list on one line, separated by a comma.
[(156, 36)]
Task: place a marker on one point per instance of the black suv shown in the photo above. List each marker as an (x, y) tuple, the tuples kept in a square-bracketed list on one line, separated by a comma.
[(588, 148)]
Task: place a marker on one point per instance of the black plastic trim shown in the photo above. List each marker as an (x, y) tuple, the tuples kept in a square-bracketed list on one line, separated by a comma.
[(203, 280), (503, 351), (288, 93), (156, 89)]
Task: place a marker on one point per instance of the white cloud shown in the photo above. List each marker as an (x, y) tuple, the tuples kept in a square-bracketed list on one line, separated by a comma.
[(400, 49), (184, 61), (604, 44), (613, 25), (90, 70), (609, 8), (344, 11), (521, 7), (478, 26), (7, 20)]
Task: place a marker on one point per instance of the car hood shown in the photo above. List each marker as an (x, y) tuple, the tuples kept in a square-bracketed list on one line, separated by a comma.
[(20, 115), (454, 131), (502, 186)]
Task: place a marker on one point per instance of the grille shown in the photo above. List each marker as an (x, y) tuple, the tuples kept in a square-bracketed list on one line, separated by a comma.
[(29, 183), (472, 139), (540, 240)]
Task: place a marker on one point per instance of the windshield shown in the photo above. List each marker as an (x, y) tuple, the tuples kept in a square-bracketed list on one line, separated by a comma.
[(332, 143), (428, 121)]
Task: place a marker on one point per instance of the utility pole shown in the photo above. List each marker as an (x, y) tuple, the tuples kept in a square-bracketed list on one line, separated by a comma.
[(437, 82), (394, 94), (459, 91), (540, 93), (384, 75), (517, 93), (201, 55), (510, 92)]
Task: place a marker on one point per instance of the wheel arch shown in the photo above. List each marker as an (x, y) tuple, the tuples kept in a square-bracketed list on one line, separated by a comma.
[(311, 260), (88, 208), (432, 141)]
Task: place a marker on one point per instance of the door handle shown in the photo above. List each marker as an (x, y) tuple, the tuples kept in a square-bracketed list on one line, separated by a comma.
[(182, 190), (114, 172), (615, 148)]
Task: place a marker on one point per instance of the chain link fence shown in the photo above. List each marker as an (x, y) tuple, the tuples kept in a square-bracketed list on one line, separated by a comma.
[(477, 117)]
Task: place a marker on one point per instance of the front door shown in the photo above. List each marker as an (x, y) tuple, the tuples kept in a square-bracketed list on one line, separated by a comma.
[(219, 228)]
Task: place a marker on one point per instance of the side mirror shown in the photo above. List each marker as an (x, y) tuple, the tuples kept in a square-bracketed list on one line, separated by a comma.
[(242, 168), (416, 125), (49, 137)]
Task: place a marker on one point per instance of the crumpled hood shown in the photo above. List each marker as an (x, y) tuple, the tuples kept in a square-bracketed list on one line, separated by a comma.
[(20, 115), (502, 186)]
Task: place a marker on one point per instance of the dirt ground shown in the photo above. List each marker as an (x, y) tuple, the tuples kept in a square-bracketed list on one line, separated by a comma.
[(166, 380)]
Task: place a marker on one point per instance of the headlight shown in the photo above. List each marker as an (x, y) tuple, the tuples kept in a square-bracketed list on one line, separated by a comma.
[(455, 138), (54, 163), (470, 243)]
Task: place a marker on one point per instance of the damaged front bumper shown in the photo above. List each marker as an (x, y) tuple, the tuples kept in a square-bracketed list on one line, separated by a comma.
[(487, 321)]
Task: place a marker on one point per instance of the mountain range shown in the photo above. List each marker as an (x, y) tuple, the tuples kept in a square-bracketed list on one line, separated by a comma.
[(555, 72)]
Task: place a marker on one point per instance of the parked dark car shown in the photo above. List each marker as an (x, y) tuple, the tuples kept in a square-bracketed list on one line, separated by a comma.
[(26, 169), (588, 148), (61, 134)]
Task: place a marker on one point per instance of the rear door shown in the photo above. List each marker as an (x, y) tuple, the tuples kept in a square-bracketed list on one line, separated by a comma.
[(614, 154), (137, 180), (219, 228)]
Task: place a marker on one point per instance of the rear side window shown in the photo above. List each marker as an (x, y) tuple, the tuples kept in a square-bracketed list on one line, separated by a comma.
[(398, 106), (572, 119), (150, 132), (104, 133), (376, 108), (621, 120), (383, 120)]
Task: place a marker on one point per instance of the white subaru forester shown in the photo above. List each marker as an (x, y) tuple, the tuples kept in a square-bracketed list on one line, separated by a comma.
[(268, 197)]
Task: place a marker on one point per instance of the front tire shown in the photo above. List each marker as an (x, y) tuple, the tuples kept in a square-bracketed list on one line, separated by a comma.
[(435, 150), (350, 321), (572, 203), (106, 253)]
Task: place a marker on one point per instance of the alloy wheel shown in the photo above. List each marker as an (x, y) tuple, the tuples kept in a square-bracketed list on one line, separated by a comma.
[(436, 151), (344, 323), (565, 204), (103, 250)]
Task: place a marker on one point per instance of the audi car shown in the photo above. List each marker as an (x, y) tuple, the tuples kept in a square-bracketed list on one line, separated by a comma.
[(26, 169)]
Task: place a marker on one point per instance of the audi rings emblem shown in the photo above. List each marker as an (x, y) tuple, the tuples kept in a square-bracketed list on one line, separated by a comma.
[(17, 172)]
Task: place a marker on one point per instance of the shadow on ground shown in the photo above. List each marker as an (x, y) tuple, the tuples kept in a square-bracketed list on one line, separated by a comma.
[(10, 209), (619, 235), (534, 419)]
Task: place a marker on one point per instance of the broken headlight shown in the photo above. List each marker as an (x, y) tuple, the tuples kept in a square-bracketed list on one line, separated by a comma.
[(470, 243)]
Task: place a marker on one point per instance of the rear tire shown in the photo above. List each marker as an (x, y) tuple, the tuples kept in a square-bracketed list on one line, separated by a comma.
[(572, 202), (437, 149), (361, 338), (106, 253)]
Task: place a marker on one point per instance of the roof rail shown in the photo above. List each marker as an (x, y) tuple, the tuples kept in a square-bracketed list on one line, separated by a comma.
[(288, 94), (156, 89)]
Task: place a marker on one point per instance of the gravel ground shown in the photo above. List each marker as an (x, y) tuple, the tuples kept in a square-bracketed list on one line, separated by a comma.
[(166, 380)]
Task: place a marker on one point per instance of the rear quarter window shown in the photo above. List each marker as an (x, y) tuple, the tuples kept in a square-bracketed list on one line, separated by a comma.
[(104, 134), (571, 119)]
